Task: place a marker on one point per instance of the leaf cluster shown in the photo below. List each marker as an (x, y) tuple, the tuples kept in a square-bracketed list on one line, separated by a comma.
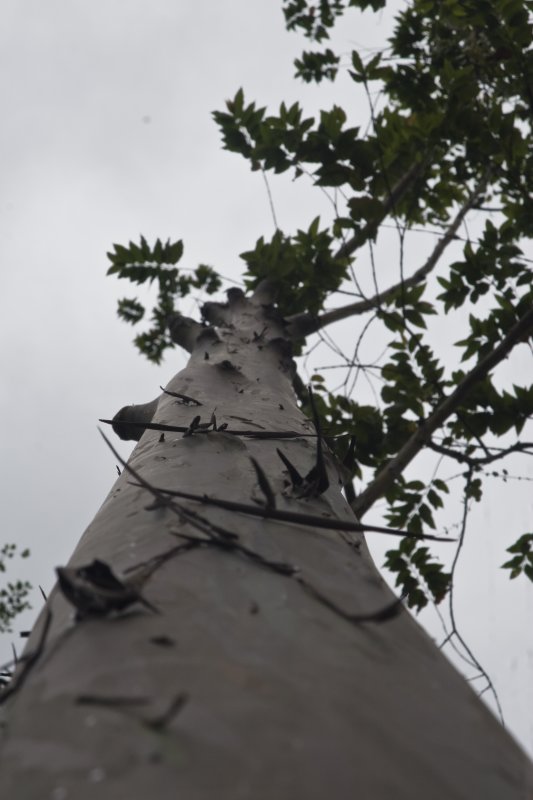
[(303, 267), (418, 574), (142, 264), (14, 595), (522, 560)]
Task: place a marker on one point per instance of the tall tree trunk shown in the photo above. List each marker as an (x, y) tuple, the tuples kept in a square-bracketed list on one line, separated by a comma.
[(275, 685)]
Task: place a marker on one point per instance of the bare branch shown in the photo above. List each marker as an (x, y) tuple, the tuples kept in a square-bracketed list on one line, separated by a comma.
[(388, 474), (472, 461), (454, 633), (301, 325)]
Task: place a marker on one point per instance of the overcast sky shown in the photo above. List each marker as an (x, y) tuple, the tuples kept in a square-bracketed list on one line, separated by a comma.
[(106, 134)]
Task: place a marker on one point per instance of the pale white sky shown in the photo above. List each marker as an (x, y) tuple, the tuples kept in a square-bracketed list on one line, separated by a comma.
[(106, 134)]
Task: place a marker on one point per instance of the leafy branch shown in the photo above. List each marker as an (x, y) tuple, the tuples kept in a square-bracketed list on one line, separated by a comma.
[(420, 438), (140, 264), (304, 324)]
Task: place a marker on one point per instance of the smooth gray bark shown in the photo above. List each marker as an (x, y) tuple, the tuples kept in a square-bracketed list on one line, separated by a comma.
[(287, 700)]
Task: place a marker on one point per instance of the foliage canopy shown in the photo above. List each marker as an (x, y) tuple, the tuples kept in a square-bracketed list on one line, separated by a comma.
[(450, 104)]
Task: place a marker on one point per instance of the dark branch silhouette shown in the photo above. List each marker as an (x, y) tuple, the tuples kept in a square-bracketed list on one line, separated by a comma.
[(473, 461), (304, 324), (394, 196), (420, 438)]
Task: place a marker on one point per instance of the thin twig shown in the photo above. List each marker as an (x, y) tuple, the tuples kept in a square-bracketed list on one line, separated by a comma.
[(455, 632), (270, 200)]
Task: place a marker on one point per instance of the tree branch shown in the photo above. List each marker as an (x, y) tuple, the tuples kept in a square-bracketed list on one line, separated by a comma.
[(301, 325), (266, 512), (129, 422), (395, 194), (184, 331), (388, 474), (472, 461)]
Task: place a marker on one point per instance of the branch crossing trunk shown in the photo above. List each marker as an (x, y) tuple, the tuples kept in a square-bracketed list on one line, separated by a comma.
[(280, 666)]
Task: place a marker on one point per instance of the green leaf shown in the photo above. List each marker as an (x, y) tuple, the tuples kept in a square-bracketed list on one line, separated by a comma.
[(130, 310)]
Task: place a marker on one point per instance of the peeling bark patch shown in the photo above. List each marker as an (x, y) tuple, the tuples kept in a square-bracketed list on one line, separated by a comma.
[(94, 590)]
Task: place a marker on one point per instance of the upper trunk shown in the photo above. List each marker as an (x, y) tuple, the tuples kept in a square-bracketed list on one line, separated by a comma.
[(287, 697)]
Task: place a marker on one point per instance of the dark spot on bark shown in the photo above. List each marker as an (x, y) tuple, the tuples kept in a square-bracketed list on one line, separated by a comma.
[(228, 365), (162, 641)]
